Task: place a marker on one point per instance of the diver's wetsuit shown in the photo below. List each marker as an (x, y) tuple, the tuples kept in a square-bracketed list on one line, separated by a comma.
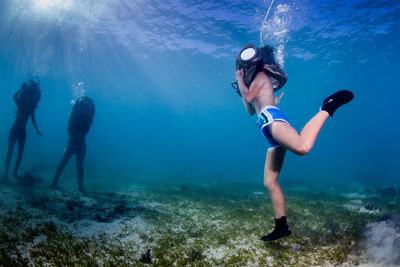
[(78, 128), (18, 130)]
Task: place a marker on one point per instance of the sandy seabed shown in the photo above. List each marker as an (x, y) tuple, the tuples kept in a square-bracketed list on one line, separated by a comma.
[(196, 224)]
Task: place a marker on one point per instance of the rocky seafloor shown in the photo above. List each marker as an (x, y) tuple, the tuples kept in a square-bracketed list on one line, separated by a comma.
[(197, 224)]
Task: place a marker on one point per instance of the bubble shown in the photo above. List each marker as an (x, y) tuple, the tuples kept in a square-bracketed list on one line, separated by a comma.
[(275, 30), (78, 90)]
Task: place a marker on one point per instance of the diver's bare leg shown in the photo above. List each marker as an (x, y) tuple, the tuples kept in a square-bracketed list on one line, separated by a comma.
[(21, 146), (68, 153), (301, 143), (11, 144), (273, 165)]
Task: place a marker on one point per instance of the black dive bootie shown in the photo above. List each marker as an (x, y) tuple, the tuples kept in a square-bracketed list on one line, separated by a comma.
[(333, 102), (281, 230)]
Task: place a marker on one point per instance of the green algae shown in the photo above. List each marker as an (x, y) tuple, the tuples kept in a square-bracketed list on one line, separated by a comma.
[(199, 226)]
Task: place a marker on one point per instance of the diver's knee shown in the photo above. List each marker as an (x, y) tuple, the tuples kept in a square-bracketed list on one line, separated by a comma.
[(301, 151), (302, 148), (270, 184), (79, 168)]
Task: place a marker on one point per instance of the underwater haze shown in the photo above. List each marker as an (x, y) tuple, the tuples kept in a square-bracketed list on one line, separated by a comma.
[(160, 73), (167, 118)]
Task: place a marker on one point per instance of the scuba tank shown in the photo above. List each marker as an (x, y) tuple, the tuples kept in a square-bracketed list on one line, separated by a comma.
[(83, 109), (80, 120), (29, 94)]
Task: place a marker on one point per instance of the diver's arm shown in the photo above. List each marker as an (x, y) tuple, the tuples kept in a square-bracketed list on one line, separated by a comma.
[(248, 94), (245, 93), (249, 107), (85, 129), (16, 97), (34, 123)]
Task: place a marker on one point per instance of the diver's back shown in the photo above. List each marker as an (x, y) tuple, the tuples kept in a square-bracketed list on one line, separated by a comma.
[(265, 96)]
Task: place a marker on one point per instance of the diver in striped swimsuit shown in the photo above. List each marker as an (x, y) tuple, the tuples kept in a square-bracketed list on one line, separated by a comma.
[(258, 76)]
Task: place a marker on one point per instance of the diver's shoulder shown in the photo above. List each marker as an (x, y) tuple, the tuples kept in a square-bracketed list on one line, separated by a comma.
[(263, 82), (261, 77)]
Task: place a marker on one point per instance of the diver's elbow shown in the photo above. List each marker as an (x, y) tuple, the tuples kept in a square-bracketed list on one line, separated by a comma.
[(248, 99), (251, 112)]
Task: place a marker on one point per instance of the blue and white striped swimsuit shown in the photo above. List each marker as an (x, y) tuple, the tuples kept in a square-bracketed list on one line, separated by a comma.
[(268, 115)]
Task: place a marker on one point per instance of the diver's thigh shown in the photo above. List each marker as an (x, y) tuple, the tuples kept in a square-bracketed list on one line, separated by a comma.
[(285, 135), (274, 159), (11, 142), (21, 145), (12, 137)]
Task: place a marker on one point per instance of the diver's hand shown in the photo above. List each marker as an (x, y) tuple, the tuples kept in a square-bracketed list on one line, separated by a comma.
[(277, 99), (242, 86), (239, 75), (39, 133)]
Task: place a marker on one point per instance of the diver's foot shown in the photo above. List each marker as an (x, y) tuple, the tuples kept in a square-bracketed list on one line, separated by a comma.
[(333, 102), (16, 176), (276, 234), (281, 230)]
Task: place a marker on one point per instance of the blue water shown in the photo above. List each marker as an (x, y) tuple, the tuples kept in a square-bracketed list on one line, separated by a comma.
[(160, 73)]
